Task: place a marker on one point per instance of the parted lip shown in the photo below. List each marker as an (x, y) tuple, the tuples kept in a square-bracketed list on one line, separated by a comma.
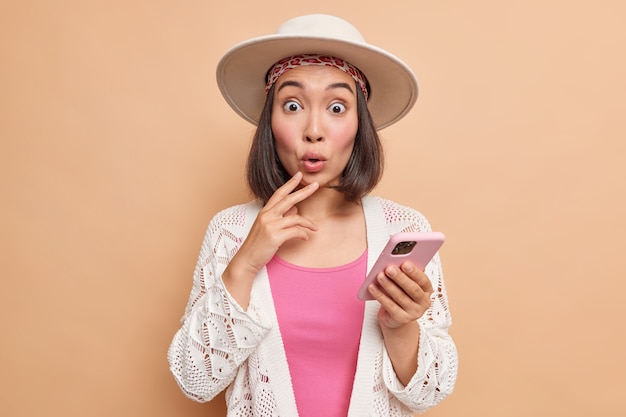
[(313, 156), (313, 162)]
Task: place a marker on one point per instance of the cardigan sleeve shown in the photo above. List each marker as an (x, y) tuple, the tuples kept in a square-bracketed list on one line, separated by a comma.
[(437, 355), (437, 361), (216, 335)]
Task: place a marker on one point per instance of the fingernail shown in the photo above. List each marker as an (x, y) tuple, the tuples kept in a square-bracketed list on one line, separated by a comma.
[(407, 267)]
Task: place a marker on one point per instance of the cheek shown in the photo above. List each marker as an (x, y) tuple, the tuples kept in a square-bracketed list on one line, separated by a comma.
[(345, 136), (283, 140), (282, 133)]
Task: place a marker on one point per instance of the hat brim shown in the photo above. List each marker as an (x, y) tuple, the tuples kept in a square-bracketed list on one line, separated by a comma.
[(241, 73)]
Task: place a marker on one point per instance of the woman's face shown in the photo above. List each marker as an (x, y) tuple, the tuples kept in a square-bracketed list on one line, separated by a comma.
[(314, 121)]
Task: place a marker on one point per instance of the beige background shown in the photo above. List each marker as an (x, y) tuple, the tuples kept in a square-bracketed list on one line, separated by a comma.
[(116, 150)]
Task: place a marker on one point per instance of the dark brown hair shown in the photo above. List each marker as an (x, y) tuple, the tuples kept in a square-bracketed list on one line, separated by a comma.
[(363, 171)]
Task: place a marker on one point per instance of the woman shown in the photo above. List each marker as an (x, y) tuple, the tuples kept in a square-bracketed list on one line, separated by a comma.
[(273, 314)]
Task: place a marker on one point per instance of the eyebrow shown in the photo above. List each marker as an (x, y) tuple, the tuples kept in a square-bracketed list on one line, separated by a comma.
[(330, 87), (340, 85), (289, 82)]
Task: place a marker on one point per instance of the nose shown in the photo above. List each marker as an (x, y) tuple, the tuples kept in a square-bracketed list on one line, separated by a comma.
[(314, 131)]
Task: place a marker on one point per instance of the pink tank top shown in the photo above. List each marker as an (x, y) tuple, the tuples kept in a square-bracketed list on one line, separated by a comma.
[(320, 320)]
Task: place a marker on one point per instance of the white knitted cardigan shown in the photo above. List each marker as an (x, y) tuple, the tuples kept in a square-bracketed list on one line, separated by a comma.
[(220, 345)]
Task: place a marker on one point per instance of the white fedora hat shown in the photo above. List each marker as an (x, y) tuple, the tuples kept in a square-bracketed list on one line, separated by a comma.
[(241, 71)]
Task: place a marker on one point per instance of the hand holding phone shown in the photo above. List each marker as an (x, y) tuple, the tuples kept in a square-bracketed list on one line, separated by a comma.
[(416, 247)]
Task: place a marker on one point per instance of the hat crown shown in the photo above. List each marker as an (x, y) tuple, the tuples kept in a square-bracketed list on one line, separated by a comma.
[(321, 25)]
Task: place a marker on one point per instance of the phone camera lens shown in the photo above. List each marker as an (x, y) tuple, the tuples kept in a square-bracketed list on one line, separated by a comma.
[(403, 248)]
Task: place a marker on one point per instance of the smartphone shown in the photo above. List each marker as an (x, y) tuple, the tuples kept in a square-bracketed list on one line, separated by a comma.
[(417, 247)]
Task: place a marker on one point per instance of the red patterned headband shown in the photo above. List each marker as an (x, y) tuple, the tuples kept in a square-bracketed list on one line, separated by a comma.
[(288, 63)]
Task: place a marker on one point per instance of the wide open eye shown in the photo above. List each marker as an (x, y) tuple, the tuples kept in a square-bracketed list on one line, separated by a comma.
[(337, 108), (292, 106)]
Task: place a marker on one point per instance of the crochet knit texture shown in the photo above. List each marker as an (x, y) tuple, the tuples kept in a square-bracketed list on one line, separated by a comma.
[(222, 346)]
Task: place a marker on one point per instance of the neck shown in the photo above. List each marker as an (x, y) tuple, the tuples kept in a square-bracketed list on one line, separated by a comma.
[(326, 203)]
